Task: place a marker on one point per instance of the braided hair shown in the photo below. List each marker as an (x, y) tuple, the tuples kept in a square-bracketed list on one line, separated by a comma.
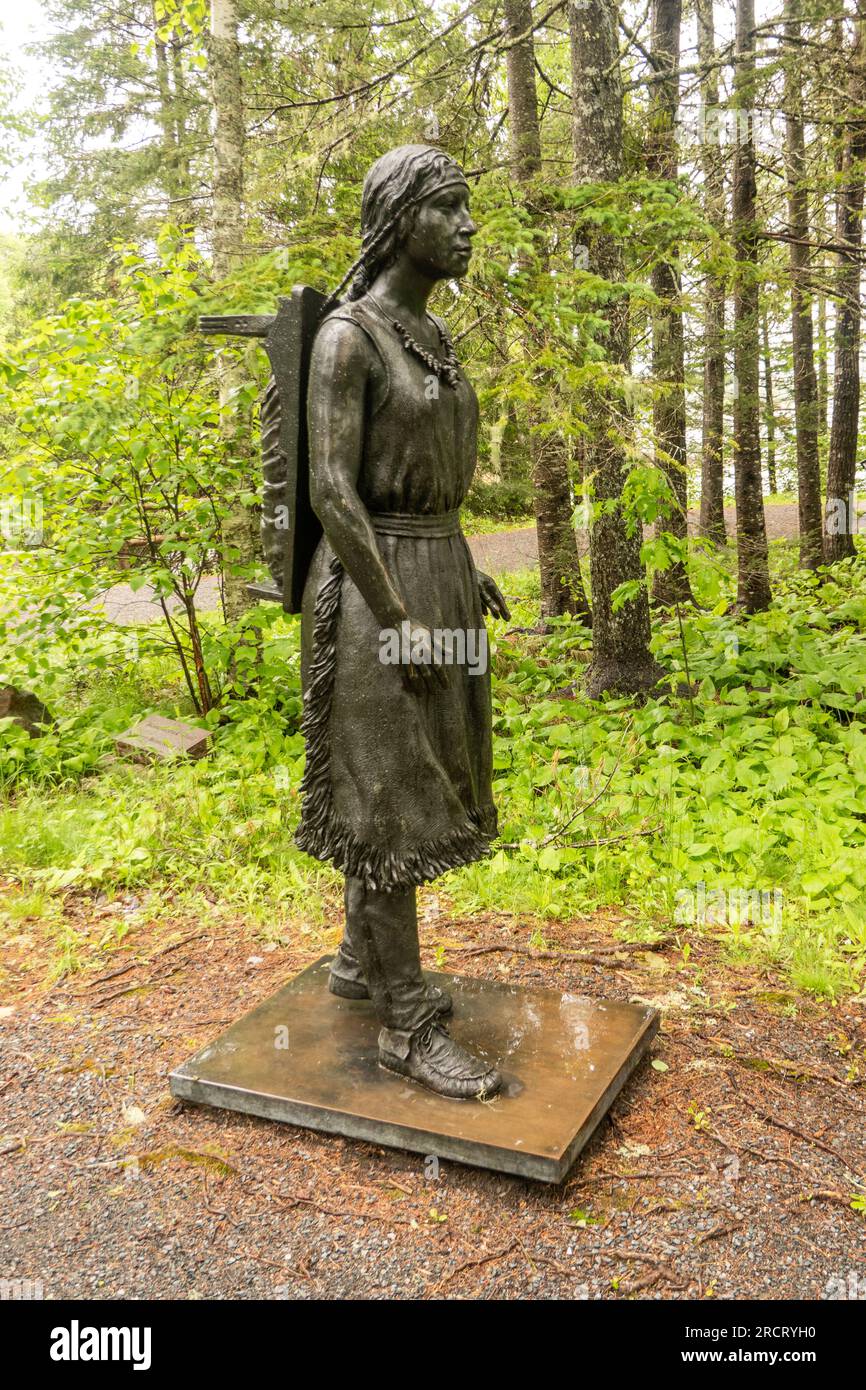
[(396, 183)]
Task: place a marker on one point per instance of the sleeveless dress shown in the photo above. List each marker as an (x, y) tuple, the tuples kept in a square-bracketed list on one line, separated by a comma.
[(397, 786)]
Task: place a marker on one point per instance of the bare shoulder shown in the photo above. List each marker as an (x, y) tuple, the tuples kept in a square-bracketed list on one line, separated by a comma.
[(342, 346)]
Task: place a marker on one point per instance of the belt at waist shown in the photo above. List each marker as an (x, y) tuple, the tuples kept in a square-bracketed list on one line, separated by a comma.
[(432, 524)]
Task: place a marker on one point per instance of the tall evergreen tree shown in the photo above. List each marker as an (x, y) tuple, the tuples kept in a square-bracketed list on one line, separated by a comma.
[(668, 352), (561, 583), (713, 170), (806, 405), (621, 659), (842, 459), (753, 588), (240, 541), (769, 407), (127, 118)]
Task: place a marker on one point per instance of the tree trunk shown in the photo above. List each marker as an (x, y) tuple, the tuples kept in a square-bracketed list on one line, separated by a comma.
[(621, 660), (806, 403), (769, 412), (561, 583), (240, 541), (183, 179), (712, 521), (753, 589), (511, 445), (823, 384), (842, 460), (712, 441), (668, 352), (167, 114)]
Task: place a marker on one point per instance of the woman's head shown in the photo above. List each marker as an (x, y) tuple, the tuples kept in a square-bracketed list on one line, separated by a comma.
[(415, 200)]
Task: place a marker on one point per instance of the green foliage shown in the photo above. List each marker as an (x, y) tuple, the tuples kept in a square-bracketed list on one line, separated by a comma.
[(112, 437), (756, 785), (510, 501), (746, 773), (765, 791)]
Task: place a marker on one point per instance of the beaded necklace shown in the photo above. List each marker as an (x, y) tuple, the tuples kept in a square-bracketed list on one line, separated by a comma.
[(447, 370)]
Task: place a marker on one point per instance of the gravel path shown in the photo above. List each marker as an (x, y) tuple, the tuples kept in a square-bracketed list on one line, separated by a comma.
[(496, 552), (724, 1169)]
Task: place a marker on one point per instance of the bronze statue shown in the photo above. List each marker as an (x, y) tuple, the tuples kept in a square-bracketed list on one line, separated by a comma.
[(368, 448), (397, 787)]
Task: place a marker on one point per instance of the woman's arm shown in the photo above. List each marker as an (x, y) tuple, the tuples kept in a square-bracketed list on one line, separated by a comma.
[(340, 372), (338, 395)]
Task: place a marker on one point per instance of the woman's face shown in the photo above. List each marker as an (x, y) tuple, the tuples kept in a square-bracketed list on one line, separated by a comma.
[(439, 243)]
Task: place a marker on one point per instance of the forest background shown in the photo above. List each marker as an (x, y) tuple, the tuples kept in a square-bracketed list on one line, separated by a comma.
[(662, 321)]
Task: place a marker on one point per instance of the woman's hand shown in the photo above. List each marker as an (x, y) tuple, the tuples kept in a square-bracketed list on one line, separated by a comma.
[(423, 669), (492, 598)]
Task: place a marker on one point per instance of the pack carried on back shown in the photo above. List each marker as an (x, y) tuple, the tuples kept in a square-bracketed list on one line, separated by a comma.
[(290, 528)]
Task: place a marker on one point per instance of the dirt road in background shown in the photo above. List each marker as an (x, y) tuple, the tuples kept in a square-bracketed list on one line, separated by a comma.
[(499, 552)]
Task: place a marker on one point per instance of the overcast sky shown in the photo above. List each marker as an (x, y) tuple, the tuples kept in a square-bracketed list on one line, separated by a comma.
[(21, 23), (25, 20)]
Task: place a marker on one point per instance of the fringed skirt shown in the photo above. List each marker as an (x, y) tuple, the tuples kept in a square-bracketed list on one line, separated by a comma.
[(397, 787)]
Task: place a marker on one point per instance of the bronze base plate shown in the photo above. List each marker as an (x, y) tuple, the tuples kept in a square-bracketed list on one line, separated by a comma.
[(307, 1058)]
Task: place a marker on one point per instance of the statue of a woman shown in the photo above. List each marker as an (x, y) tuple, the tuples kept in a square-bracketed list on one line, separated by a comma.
[(397, 788)]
